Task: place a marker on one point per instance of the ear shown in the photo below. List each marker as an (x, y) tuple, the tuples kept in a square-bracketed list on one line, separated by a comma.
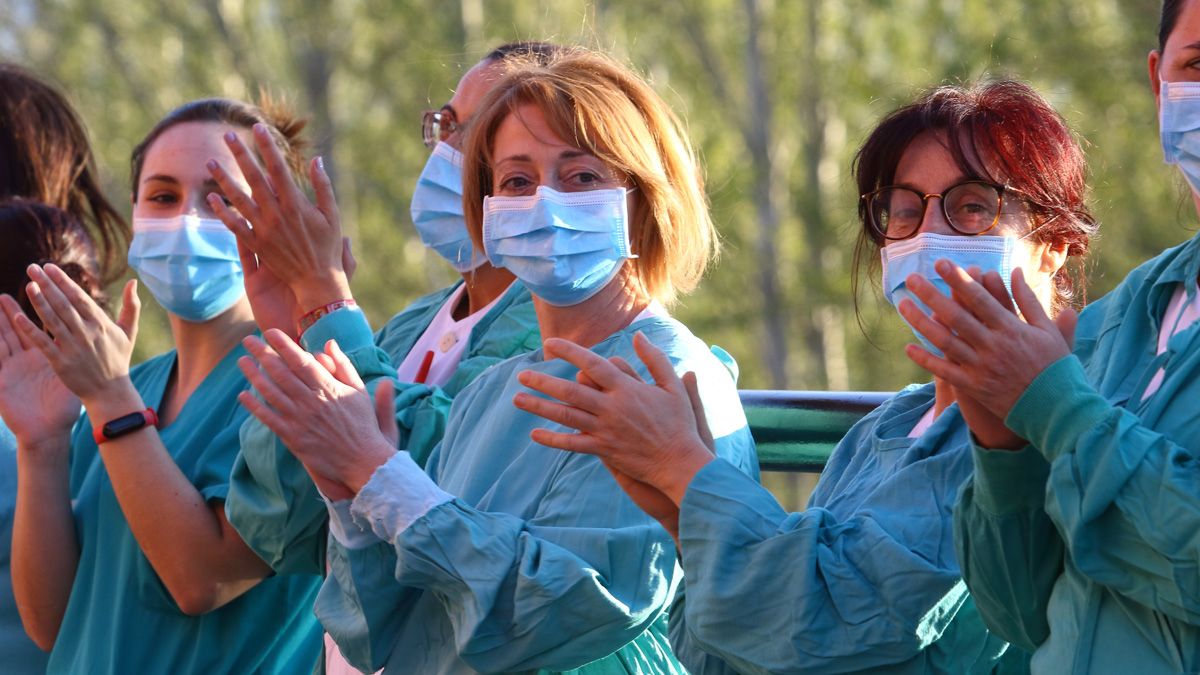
[(1052, 257), (1153, 59)]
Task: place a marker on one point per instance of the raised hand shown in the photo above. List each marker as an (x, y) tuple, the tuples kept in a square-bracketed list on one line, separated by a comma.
[(320, 409), (89, 351), (298, 240), (649, 432), (992, 356), (37, 408)]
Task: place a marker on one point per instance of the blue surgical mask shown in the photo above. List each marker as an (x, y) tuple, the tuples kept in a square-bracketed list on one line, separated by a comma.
[(564, 246), (917, 256), (437, 209), (1179, 128), (189, 264)]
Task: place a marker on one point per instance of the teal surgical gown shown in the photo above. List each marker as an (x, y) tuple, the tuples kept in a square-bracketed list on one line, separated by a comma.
[(864, 580), (541, 561), (18, 654), (272, 501), (1083, 545), (120, 618)]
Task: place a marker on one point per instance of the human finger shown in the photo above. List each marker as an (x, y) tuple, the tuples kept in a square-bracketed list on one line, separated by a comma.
[(581, 443), (49, 316), (131, 310), (10, 308), (262, 193), (938, 367), (264, 413), (993, 284), (566, 415), (385, 411), (32, 335), (57, 300), (349, 262), (84, 306), (247, 204), (1066, 321), (572, 393), (625, 367), (937, 334), (286, 191), (1028, 302), (10, 342), (323, 191), (298, 361), (344, 370), (656, 362), (972, 296), (264, 384), (597, 367), (953, 316), (692, 386), (272, 366), (239, 226)]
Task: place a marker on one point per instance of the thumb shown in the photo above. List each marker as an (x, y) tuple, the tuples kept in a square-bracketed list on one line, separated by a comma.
[(385, 411), (323, 189), (1066, 322), (693, 392), (343, 370), (131, 309)]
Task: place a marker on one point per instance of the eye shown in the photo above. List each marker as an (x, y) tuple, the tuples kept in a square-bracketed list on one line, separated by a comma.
[(514, 185), (163, 198)]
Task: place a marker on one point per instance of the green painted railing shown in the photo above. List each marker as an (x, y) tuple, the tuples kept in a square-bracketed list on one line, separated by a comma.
[(797, 430)]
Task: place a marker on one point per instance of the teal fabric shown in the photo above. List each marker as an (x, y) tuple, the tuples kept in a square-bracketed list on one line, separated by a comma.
[(863, 580), (272, 502), (1084, 544), (18, 654), (120, 617), (541, 561)]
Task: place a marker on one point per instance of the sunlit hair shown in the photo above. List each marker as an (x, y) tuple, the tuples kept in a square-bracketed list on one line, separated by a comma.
[(1002, 132), (45, 157), (38, 234), (282, 124), (598, 105)]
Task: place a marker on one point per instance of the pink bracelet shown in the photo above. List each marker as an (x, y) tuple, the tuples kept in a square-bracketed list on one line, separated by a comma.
[(312, 317)]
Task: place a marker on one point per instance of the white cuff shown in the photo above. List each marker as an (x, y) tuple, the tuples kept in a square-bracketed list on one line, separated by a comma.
[(344, 529), (398, 494)]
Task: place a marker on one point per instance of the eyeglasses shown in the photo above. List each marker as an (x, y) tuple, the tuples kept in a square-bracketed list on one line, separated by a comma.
[(971, 208), (437, 125)]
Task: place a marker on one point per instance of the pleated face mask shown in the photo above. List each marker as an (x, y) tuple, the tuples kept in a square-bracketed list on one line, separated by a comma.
[(437, 210), (918, 255), (189, 264), (1179, 128), (564, 246)]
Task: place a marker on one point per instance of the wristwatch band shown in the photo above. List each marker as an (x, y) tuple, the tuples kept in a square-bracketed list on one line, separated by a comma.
[(124, 424)]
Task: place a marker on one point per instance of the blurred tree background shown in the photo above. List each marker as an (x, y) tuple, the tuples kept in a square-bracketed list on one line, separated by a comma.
[(777, 94)]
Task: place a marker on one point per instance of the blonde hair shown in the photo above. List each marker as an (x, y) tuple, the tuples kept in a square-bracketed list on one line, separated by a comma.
[(600, 106)]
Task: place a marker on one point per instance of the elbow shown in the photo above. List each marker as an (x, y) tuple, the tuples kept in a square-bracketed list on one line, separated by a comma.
[(196, 598), (43, 631)]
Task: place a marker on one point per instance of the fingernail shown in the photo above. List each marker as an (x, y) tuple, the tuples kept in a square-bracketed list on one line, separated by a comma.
[(321, 164), (230, 137), (260, 129), (211, 164)]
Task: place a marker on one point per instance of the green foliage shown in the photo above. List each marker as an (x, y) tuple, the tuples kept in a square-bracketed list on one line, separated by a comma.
[(363, 72)]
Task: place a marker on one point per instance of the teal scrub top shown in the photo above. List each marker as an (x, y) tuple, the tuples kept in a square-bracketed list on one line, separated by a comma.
[(863, 580), (541, 561), (272, 501), (17, 652), (1083, 545), (120, 618)]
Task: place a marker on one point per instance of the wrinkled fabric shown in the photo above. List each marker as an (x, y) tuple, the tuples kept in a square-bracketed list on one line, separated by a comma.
[(120, 617), (1083, 545), (18, 654), (272, 501), (541, 562), (863, 580)]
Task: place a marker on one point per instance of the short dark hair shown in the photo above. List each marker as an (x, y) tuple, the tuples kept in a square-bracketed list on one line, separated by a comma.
[(1167, 20), (541, 52), (1002, 132)]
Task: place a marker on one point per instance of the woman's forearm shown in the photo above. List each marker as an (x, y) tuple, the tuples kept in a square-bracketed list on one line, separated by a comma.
[(192, 547), (45, 551)]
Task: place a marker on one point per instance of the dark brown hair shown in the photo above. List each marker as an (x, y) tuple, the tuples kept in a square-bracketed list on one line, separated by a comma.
[(1167, 20), (1002, 132), (40, 234), (284, 127), (46, 158)]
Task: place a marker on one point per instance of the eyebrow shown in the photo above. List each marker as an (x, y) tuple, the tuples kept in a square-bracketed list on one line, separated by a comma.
[(210, 184), (565, 154)]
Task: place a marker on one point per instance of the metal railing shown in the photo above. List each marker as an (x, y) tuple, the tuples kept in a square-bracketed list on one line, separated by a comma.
[(797, 430)]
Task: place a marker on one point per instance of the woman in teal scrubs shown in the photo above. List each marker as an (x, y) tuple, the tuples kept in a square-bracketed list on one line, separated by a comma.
[(123, 559), (509, 556), (865, 579), (47, 159), (1078, 530)]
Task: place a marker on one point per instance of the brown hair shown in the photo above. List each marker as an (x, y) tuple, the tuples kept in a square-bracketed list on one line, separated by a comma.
[(39, 234), (599, 105), (1002, 132), (284, 127), (47, 159)]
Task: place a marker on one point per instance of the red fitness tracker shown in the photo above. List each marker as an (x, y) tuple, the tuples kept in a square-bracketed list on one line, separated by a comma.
[(125, 424)]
